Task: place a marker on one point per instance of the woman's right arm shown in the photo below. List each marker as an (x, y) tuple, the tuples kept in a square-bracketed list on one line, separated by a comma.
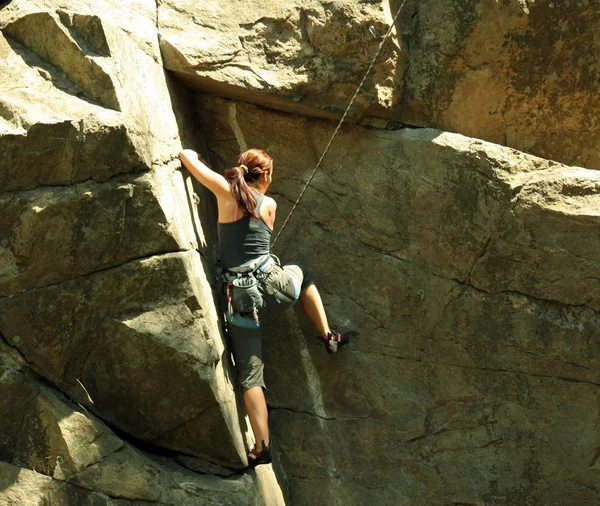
[(208, 177)]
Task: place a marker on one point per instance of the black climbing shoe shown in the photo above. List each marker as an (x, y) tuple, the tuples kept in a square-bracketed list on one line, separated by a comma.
[(334, 341), (256, 458)]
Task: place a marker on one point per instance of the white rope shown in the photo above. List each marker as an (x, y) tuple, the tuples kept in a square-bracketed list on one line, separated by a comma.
[(341, 121)]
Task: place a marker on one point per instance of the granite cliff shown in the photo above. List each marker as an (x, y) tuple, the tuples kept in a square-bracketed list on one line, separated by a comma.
[(451, 229)]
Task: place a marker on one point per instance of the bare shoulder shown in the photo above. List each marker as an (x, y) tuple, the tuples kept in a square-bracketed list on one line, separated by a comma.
[(270, 203), (268, 210)]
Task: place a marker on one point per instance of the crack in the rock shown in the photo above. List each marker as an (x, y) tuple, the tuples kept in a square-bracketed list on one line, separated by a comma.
[(446, 430), (595, 458), (185, 422), (490, 369), (100, 461), (14, 347), (468, 284), (363, 308), (386, 253), (33, 397), (484, 251), (120, 498), (104, 269), (336, 477), (327, 418), (460, 292), (533, 297), (135, 172), (464, 449)]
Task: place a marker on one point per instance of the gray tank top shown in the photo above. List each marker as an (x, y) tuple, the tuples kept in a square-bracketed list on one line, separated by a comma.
[(244, 240)]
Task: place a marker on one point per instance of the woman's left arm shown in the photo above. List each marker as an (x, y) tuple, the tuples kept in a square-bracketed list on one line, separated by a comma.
[(208, 177)]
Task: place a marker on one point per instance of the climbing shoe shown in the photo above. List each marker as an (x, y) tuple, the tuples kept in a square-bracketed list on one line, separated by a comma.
[(334, 341), (255, 457)]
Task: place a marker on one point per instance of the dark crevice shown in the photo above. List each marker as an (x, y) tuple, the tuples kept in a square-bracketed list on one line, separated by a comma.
[(309, 413), (135, 172), (100, 461), (104, 269), (120, 498), (216, 404), (490, 369), (460, 291), (15, 348), (484, 251), (595, 458), (478, 288), (336, 477)]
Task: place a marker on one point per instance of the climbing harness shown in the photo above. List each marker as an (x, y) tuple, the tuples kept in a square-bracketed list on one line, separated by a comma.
[(372, 30), (242, 290)]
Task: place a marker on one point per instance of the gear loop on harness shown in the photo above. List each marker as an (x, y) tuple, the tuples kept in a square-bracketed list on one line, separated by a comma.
[(242, 287)]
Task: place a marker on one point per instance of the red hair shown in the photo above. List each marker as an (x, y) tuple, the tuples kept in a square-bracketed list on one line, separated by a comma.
[(252, 164)]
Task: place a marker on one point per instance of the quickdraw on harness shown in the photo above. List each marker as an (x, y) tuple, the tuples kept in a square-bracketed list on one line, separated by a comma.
[(372, 30)]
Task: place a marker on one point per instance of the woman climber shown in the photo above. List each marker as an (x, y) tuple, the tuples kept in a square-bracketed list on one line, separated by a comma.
[(253, 278)]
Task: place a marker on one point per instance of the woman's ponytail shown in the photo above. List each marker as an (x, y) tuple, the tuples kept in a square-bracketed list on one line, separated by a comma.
[(243, 178)]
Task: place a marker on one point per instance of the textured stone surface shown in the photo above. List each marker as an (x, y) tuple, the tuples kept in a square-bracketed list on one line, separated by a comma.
[(22, 487), (467, 380), (52, 234), (139, 336), (106, 267), (137, 18), (299, 56), (64, 442), (63, 138), (518, 73), (466, 273), (99, 62), (130, 475)]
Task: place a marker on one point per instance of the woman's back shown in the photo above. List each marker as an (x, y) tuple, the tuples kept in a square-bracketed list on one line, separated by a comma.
[(245, 239)]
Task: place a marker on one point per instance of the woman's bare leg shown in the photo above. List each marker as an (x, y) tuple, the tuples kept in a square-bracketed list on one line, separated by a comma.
[(312, 305), (256, 407)]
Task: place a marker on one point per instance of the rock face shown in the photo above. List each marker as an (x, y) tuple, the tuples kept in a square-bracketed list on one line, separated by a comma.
[(76, 459), (108, 316), (517, 73), (460, 271), (312, 54), (465, 272)]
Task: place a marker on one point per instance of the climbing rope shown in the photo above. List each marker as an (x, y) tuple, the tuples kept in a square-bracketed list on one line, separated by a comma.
[(341, 121)]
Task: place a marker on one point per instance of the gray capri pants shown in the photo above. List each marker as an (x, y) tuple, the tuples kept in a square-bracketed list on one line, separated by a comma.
[(281, 288)]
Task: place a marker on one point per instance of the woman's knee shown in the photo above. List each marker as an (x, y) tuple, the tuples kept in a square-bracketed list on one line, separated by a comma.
[(307, 288), (306, 275)]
